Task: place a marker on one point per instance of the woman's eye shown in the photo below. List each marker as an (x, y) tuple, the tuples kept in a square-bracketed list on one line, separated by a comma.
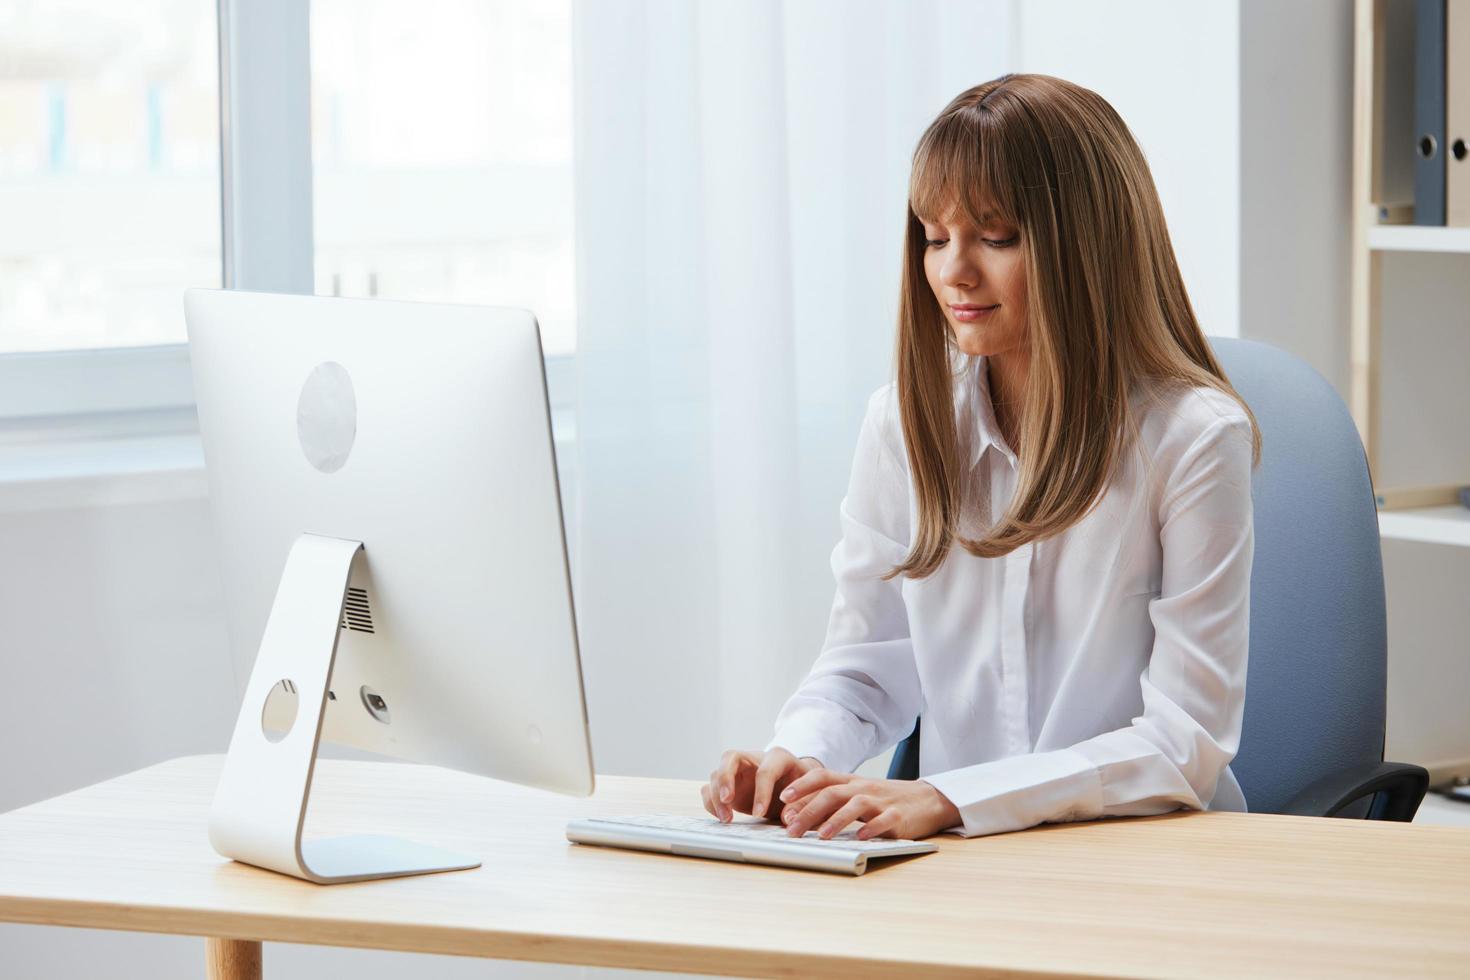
[(991, 242)]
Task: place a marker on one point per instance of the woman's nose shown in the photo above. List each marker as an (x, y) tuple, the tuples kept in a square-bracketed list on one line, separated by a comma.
[(959, 272)]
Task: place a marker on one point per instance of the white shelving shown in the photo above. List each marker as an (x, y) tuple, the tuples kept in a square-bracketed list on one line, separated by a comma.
[(1450, 524), (1433, 525), (1418, 238), (1374, 21)]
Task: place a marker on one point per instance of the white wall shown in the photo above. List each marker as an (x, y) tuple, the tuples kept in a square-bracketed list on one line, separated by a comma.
[(1296, 176), (114, 658), (111, 644), (1171, 68)]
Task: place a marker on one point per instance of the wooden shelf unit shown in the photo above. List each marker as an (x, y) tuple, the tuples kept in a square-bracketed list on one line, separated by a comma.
[(1412, 513)]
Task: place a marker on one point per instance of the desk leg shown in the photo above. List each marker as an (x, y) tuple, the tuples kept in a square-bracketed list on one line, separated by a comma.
[(232, 959)]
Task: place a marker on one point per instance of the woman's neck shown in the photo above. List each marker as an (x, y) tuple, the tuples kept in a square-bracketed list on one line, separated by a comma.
[(1007, 382)]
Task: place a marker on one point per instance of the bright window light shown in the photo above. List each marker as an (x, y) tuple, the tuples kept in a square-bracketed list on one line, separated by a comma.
[(442, 154), (109, 170)]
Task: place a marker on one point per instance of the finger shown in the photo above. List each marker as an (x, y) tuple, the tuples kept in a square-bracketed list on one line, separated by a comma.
[(884, 824), (819, 807), (822, 806), (772, 766), (725, 775), (811, 781), (744, 786), (791, 809), (730, 765), (795, 807), (713, 788), (777, 810), (860, 807), (721, 811), (704, 798)]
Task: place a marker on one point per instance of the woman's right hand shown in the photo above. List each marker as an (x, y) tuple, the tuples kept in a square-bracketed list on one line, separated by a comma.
[(747, 782)]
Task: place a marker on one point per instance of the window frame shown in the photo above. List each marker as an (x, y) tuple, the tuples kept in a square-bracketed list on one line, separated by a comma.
[(265, 159), (266, 229)]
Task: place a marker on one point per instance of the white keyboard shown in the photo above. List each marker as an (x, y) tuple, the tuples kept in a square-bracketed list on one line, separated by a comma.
[(748, 840)]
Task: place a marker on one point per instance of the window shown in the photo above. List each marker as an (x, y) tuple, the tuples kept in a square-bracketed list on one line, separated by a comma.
[(433, 140), (109, 171), (442, 154)]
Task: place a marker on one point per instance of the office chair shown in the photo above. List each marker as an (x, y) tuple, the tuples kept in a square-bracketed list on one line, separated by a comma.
[(1313, 734)]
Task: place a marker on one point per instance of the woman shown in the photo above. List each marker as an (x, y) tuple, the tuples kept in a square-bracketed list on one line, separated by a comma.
[(1047, 537)]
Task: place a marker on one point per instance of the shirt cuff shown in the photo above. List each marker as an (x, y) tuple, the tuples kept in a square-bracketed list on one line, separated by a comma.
[(1022, 791), (829, 734)]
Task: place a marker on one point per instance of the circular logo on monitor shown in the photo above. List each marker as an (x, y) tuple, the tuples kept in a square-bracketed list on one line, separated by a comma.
[(326, 416)]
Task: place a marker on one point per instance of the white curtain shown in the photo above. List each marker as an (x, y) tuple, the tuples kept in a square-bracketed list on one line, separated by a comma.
[(740, 182)]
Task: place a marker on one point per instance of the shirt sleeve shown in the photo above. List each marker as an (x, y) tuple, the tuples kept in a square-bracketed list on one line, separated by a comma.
[(1173, 754), (862, 694)]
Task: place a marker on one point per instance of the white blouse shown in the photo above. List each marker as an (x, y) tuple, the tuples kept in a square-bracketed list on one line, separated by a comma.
[(1099, 672)]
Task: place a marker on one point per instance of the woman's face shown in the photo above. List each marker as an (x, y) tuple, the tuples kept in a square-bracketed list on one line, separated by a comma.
[(979, 277)]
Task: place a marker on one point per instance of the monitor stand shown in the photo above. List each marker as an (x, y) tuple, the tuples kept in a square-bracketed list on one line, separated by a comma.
[(260, 805)]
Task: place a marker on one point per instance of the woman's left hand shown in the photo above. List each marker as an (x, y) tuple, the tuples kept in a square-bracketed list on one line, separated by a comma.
[(828, 801)]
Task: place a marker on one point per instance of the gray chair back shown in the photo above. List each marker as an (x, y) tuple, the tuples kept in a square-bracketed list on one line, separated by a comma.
[(1316, 682)]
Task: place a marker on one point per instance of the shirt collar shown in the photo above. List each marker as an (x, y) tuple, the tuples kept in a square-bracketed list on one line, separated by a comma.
[(975, 411), (977, 415)]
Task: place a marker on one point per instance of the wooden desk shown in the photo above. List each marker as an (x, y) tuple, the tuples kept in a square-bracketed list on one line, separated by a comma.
[(1184, 894)]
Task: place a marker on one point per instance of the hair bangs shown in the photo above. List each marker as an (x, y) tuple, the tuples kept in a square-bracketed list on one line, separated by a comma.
[(958, 171)]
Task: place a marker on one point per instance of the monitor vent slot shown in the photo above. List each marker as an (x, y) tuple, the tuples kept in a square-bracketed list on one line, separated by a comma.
[(356, 614)]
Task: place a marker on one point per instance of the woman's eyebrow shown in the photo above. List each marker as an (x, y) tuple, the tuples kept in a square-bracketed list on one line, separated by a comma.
[(989, 217)]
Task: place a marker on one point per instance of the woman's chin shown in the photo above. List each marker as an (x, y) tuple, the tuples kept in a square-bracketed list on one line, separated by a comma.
[(968, 343), (976, 341)]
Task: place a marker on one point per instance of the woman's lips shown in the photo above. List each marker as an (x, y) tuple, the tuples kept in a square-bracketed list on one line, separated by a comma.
[(969, 311)]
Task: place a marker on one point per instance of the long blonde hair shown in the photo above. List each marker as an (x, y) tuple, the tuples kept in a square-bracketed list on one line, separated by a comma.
[(1106, 306)]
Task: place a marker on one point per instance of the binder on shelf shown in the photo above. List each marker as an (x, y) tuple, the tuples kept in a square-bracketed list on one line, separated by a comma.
[(1429, 112), (1457, 114)]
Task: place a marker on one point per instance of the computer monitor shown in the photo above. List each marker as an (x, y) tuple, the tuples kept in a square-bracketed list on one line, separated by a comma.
[(384, 489)]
